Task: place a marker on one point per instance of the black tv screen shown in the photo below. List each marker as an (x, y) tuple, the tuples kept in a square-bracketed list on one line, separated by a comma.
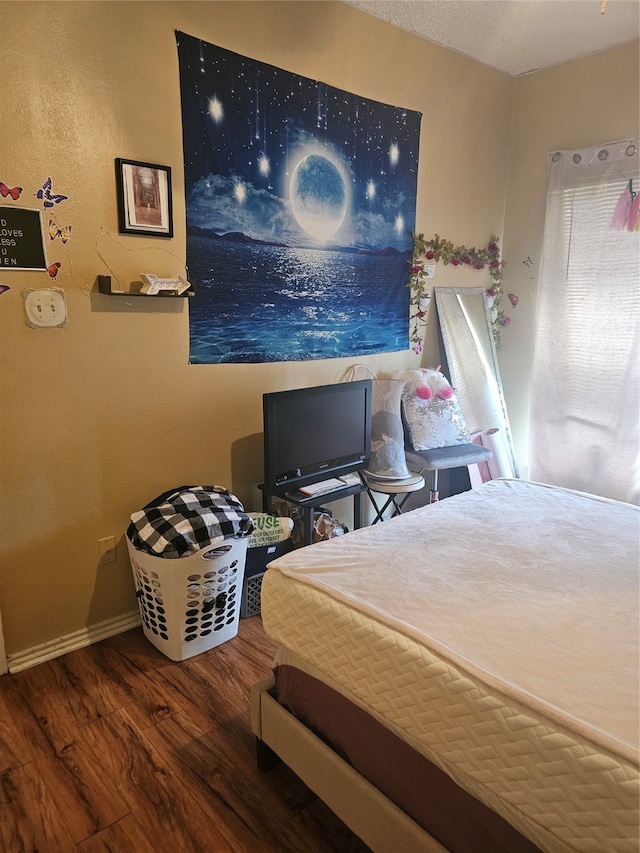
[(312, 434)]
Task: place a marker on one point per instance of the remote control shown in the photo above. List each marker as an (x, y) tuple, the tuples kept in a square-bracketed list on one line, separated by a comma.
[(321, 488)]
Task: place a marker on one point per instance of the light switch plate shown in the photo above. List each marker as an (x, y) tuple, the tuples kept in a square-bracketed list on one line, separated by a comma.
[(45, 308)]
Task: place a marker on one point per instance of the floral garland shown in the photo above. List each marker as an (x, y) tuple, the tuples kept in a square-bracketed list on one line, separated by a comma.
[(437, 249)]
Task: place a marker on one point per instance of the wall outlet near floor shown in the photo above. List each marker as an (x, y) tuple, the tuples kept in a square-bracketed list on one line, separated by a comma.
[(107, 550)]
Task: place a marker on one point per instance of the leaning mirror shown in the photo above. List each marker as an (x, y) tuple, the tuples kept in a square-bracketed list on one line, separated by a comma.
[(464, 315)]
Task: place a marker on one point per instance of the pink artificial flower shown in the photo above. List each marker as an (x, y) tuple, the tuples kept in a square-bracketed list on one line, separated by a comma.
[(506, 321), (416, 269), (490, 291), (430, 256), (494, 264), (456, 262), (417, 348), (466, 259), (513, 299), (421, 315), (478, 265), (492, 247)]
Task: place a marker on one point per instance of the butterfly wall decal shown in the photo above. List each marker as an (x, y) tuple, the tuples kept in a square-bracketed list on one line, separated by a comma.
[(47, 197), (14, 192), (53, 269), (63, 233), (4, 288)]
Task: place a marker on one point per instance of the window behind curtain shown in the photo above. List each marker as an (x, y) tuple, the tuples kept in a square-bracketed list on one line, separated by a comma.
[(585, 431)]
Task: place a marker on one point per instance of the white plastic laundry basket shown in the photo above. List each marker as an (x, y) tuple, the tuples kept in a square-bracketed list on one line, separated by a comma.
[(192, 604)]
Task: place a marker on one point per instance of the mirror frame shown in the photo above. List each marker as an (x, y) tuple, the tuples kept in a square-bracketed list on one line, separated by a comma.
[(445, 335)]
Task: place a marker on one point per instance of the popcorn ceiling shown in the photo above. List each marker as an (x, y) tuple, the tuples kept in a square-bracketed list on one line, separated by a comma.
[(514, 36)]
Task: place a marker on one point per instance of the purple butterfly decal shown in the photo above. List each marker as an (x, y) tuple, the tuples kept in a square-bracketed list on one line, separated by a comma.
[(4, 288), (513, 299), (49, 198)]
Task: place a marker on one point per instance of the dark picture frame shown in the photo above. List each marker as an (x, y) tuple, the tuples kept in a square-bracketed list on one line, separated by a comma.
[(145, 204)]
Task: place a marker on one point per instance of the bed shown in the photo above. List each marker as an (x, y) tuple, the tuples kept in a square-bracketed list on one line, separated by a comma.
[(492, 640)]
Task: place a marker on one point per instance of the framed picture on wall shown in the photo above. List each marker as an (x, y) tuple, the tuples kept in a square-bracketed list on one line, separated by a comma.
[(144, 198)]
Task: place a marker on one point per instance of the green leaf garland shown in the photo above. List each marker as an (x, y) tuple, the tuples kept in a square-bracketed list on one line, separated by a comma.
[(437, 249)]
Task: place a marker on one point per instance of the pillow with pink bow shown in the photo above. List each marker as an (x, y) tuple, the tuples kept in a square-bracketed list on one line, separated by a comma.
[(431, 409)]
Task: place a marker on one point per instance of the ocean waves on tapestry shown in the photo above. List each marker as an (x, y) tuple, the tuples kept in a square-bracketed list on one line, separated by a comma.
[(300, 202)]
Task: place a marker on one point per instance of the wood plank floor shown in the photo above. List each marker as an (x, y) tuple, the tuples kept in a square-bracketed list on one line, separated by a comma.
[(116, 748)]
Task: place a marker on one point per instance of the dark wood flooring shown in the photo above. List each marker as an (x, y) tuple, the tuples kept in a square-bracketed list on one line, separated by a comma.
[(116, 748)]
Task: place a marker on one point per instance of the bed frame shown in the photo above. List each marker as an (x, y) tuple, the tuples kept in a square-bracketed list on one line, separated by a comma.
[(364, 809)]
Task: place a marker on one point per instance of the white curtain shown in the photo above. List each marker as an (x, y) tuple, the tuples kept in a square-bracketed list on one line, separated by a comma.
[(585, 408)]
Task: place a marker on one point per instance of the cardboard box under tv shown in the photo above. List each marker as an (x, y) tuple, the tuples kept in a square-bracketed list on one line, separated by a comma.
[(191, 604), (256, 565)]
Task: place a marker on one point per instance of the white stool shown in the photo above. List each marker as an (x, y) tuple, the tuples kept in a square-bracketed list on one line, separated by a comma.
[(393, 488)]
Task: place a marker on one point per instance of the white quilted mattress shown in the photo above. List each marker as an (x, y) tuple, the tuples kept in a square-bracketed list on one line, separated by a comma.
[(497, 633)]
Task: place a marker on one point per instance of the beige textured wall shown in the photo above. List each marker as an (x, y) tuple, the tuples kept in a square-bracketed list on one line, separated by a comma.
[(582, 103), (101, 416)]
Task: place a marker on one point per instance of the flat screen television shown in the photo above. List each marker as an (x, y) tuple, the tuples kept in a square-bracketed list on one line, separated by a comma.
[(313, 434)]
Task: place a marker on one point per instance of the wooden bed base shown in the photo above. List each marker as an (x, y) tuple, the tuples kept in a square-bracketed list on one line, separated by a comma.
[(366, 811)]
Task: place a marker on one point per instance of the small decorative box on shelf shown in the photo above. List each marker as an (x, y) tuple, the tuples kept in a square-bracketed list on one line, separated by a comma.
[(104, 286)]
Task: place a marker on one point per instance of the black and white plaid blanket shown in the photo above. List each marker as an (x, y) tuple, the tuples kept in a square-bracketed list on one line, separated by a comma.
[(182, 521)]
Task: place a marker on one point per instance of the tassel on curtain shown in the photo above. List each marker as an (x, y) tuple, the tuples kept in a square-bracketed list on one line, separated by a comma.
[(626, 215), (634, 214)]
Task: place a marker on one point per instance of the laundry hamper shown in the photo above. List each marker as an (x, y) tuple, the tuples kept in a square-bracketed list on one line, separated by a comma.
[(257, 560), (190, 597), (271, 538), (191, 605)]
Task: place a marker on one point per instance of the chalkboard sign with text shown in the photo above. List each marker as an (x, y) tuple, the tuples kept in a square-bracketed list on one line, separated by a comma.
[(21, 245)]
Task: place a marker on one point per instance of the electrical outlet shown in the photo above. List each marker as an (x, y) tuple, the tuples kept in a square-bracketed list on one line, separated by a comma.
[(45, 308), (107, 550)]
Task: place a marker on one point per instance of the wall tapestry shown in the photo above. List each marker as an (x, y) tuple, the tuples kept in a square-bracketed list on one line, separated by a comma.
[(300, 202)]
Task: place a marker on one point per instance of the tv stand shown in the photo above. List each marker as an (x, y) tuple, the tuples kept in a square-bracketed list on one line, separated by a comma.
[(309, 502)]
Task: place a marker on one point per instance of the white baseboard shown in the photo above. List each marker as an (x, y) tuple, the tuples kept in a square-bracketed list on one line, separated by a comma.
[(71, 642)]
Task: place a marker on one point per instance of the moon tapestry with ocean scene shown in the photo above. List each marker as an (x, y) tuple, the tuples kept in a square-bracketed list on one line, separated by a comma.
[(300, 202)]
